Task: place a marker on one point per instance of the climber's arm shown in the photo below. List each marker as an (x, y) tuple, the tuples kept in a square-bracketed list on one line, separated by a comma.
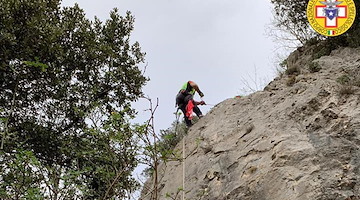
[(196, 87)]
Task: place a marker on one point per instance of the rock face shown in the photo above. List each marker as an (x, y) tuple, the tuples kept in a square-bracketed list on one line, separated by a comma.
[(293, 142)]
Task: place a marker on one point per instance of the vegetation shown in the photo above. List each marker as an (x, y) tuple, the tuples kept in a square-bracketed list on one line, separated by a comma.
[(343, 79), (155, 149), (169, 138), (290, 16), (66, 87), (314, 67), (347, 82), (165, 145)]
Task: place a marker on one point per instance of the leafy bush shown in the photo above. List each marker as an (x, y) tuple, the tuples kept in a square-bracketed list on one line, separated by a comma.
[(343, 80), (323, 50), (314, 67)]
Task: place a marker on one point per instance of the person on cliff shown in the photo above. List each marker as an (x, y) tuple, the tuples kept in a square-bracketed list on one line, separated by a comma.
[(186, 103)]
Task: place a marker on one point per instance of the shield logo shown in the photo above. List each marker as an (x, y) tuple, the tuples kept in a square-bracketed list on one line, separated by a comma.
[(331, 13)]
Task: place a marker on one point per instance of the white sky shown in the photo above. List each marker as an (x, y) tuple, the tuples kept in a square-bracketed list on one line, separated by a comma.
[(215, 43)]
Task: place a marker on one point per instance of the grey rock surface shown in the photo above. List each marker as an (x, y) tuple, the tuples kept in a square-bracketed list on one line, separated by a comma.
[(294, 142)]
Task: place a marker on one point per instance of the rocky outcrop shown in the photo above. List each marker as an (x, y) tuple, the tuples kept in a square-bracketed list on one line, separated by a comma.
[(284, 143)]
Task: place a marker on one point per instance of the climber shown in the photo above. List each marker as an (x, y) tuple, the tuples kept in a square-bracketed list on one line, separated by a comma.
[(186, 103)]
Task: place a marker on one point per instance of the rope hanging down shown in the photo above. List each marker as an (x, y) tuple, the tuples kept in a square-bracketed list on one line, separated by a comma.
[(183, 175), (183, 154)]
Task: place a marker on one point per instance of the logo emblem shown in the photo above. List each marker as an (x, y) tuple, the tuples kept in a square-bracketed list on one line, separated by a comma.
[(331, 17)]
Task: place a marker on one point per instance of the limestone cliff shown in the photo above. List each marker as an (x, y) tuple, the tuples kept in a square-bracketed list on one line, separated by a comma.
[(298, 139)]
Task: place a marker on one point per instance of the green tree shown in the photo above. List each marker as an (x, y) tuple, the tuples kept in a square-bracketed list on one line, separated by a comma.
[(66, 85), (290, 16)]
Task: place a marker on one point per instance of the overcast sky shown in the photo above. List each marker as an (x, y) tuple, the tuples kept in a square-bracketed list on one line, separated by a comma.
[(215, 43)]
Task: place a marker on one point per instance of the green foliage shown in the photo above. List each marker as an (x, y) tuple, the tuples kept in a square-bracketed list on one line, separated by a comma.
[(324, 51), (291, 17), (353, 39), (312, 41), (324, 48), (343, 79), (314, 67), (165, 146), (21, 177), (169, 138), (347, 82), (66, 86), (283, 64), (172, 195), (38, 64)]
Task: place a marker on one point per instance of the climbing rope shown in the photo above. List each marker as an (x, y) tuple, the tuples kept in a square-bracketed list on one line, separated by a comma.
[(183, 154), (183, 175)]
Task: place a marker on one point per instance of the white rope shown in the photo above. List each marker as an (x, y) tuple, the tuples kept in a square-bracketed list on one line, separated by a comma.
[(183, 182), (183, 155)]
